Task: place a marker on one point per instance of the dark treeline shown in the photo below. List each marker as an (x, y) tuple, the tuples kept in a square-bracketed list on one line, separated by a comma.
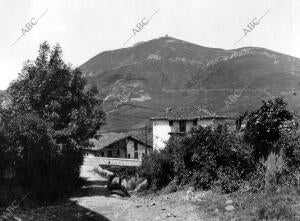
[(49, 116)]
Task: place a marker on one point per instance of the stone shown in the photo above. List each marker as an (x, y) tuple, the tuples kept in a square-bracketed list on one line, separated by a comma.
[(229, 208), (142, 186), (190, 189), (115, 180), (188, 197), (115, 196), (124, 183), (152, 204), (198, 196), (170, 215), (228, 202), (102, 172)]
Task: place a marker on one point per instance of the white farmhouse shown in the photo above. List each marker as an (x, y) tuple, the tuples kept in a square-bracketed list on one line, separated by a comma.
[(180, 121)]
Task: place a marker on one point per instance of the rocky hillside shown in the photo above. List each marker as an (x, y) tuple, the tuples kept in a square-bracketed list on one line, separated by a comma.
[(139, 82)]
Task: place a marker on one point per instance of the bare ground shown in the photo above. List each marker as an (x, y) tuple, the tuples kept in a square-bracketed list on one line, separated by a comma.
[(95, 202)]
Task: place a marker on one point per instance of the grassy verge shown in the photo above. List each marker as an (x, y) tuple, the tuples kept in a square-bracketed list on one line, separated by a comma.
[(282, 204)]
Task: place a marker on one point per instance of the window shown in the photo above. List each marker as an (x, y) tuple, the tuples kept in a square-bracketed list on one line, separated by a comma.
[(194, 122), (136, 155), (143, 155), (118, 152), (128, 155), (135, 146), (182, 126), (109, 153), (102, 154), (170, 123)]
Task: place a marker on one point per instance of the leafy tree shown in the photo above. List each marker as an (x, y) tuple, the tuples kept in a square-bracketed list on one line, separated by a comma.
[(3, 155), (50, 118), (263, 127)]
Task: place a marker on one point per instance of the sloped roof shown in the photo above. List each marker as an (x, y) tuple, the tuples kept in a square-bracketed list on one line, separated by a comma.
[(104, 140), (187, 113), (107, 139)]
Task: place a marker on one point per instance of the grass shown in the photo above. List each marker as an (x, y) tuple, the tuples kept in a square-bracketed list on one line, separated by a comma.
[(283, 204)]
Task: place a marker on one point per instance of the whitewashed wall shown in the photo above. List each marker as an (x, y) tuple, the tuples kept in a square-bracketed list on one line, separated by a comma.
[(161, 130)]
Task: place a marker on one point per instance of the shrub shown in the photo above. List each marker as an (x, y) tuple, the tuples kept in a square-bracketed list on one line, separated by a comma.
[(158, 169), (42, 167), (274, 166), (257, 178), (228, 181), (132, 183), (210, 157), (170, 188), (266, 124)]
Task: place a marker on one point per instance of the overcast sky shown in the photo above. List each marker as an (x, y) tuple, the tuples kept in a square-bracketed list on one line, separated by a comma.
[(85, 28)]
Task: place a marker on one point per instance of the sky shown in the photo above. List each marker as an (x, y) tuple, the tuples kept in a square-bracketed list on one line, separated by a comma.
[(84, 28)]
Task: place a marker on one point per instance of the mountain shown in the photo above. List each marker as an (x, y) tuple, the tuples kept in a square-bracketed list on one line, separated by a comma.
[(140, 82)]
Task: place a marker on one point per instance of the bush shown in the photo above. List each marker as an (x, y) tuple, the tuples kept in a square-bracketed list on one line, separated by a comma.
[(132, 183), (158, 169), (205, 158), (210, 157), (266, 124), (266, 156), (42, 167), (257, 178), (274, 166), (170, 188), (228, 181)]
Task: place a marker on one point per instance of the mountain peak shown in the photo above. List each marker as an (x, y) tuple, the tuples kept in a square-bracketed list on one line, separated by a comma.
[(139, 82)]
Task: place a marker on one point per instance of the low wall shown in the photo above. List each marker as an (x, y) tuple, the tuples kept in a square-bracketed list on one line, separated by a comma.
[(95, 161)]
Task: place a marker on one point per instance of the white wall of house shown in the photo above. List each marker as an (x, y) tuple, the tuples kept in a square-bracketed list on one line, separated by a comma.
[(162, 130), (205, 122)]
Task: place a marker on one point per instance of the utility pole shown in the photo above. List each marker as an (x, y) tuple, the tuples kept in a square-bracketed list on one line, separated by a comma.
[(146, 139)]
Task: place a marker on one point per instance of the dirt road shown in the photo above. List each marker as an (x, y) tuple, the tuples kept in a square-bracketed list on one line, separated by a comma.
[(95, 203), (116, 208)]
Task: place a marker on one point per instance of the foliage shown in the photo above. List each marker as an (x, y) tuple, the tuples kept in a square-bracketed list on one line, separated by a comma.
[(4, 163), (277, 206), (289, 150), (267, 156), (50, 118), (205, 158), (158, 169), (256, 179), (263, 127), (210, 157)]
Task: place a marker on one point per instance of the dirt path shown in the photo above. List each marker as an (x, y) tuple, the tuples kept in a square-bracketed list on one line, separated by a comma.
[(114, 207)]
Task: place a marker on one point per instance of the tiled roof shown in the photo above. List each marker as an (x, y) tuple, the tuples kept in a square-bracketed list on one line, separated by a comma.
[(187, 113), (104, 140)]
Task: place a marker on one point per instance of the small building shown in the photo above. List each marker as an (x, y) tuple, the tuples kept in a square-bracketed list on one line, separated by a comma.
[(118, 145), (180, 121)]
